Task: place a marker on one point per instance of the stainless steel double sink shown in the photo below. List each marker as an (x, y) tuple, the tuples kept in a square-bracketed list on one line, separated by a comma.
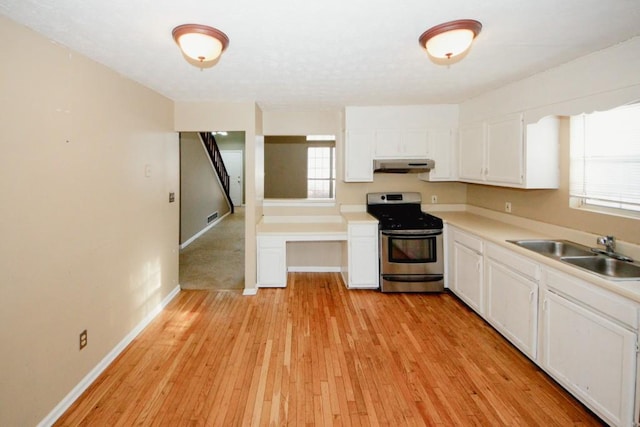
[(583, 258)]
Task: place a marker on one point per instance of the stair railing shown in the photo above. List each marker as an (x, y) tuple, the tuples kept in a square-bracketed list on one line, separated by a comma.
[(211, 145)]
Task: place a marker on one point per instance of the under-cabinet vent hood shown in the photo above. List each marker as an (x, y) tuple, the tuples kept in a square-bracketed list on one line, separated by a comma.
[(403, 165)]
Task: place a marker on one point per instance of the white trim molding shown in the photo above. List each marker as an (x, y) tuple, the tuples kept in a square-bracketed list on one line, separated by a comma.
[(326, 269), (250, 291), (204, 230)]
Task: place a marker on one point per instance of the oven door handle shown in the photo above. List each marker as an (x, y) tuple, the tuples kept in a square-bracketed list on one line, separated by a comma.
[(418, 234)]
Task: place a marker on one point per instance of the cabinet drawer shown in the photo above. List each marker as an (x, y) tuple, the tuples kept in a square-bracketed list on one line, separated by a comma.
[(612, 305), (471, 242), (363, 230), (270, 242), (521, 265)]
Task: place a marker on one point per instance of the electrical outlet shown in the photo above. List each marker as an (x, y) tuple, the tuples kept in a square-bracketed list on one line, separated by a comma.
[(434, 199), (83, 339), (507, 207)]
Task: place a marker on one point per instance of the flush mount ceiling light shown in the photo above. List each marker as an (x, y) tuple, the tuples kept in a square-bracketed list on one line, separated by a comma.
[(200, 42), (450, 39)]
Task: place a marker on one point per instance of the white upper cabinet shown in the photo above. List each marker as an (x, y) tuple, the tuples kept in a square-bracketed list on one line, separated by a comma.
[(443, 149), (504, 152), (401, 132), (471, 153), (358, 156)]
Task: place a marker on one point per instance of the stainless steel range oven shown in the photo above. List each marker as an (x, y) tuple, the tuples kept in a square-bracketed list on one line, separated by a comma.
[(411, 246)]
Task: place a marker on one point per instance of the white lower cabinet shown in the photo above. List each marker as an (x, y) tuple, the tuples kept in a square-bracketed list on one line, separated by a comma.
[(512, 298), (590, 354), (467, 280), (272, 262), (362, 256), (582, 335)]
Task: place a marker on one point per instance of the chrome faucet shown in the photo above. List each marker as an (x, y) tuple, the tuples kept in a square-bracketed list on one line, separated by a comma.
[(609, 242)]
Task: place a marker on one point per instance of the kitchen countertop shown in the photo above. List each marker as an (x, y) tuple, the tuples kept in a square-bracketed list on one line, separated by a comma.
[(499, 232), (359, 217), (304, 230), (334, 225)]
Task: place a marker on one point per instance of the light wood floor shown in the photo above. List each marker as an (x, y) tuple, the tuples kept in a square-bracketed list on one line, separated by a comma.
[(318, 354)]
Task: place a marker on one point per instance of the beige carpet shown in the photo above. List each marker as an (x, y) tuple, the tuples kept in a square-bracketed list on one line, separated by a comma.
[(216, 259)]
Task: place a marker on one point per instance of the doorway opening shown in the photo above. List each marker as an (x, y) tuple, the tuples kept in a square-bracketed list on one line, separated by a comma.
[(211, 235)]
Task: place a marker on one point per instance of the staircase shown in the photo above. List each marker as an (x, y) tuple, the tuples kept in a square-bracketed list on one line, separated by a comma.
[(210, 144)]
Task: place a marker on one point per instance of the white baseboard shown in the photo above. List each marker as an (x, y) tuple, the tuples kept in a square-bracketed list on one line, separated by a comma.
[(328, 269), (104, 363), (250, 291), (204, 230)]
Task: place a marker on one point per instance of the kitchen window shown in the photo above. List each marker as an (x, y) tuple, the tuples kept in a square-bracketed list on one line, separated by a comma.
[(321, 172), (605, 161)]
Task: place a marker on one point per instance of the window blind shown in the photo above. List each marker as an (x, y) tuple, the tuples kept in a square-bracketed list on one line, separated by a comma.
[(605, 158)]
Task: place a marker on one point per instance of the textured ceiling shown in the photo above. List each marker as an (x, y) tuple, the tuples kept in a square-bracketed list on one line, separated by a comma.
[(324, 54)]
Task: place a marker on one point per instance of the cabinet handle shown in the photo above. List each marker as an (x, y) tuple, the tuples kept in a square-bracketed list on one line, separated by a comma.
[(531, 296), (544, 305)]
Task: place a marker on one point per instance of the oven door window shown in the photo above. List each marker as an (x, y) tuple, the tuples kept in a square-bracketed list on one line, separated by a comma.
[(412, 249)]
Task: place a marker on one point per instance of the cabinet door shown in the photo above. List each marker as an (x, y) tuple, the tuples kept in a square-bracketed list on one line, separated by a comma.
[(358, 163), (505, 151), (442, 149), (590, 355), (471, 153), (414, 143), (512, 306), (363, 262), (272, 263), (387, 143), (467, 271)]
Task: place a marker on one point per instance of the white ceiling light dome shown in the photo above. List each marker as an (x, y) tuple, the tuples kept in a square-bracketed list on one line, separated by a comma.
[(200, 42), (450, 39)]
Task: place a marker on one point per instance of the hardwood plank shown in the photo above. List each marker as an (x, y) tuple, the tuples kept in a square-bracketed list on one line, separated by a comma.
[(316, 353)]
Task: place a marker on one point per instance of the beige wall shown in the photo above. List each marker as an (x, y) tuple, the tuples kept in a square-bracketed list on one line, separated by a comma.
[(201, 194), (89, 241), (599, 81), (447, 192), (247, 117), (314, 254), (285, 167), (294, 122)]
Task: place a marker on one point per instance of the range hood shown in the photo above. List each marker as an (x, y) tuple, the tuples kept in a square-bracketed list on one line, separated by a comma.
[(403, 165)]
